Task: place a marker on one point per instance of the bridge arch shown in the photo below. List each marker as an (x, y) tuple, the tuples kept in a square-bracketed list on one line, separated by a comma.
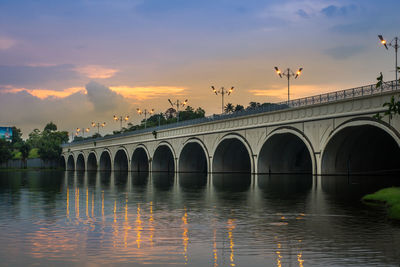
[(233, 154), (92, 161), (105, 161), (286, 150), (164, 158), (121, 160), (362, 145), (140, 159), (70, 163), (80, 162), (194, 157)]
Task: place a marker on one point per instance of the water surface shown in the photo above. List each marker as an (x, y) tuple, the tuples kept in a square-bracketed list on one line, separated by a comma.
[(103, 218)]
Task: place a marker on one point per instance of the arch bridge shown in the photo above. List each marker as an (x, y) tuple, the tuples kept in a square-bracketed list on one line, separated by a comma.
[(334, 133)]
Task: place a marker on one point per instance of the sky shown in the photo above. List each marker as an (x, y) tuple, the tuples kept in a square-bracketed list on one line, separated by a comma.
[(77, 62)]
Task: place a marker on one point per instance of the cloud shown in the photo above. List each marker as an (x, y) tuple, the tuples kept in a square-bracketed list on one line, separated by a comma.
[(102, 97), (45, 93), (336, 11), (353, 28), (302, 14), (96, 71), (6, 43), (147, 92), (344, 52)]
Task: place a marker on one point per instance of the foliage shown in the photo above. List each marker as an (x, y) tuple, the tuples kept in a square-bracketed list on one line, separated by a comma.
[(16, 135), (50, 127), (34, 153), (34, 138), (393, 106), (5, 150), (49, 142), (388, 196), (239, 107), (229, 108)]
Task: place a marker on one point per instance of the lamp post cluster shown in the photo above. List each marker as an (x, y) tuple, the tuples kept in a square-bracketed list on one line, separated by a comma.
[(222, 92), (121, 119), (145, 112), (82, 130), (288, 73), (98, 125), (178, 104)]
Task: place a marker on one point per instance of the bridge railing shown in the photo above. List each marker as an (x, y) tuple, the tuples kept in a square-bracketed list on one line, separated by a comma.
[(301, 102)]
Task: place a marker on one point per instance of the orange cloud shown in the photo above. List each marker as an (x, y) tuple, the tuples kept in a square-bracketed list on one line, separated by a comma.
[(96, 71), (44, 93), (147, 92), (297, 91)]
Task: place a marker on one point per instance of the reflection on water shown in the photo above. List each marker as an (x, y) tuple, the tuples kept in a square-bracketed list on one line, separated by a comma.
[(71, 218)]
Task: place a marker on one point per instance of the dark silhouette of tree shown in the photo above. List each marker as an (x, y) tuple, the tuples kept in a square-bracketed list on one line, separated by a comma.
[(229, 108), (239, 107)]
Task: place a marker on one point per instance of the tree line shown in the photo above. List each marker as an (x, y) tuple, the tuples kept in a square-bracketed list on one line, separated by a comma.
[(45, 144)]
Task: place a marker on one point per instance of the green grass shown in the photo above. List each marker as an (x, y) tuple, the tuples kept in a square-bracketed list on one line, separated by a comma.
[(389, 197), (16, 154)]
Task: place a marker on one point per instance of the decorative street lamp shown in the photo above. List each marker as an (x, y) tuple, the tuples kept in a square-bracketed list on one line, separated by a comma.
[(98, 124), (288, 74), (395, 45), (145, 112), (178, 104), (121, 119), (222, 91), (83, 130)]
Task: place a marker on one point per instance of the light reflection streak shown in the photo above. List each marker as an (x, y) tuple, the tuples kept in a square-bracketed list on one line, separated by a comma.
[(278, 253), (102, 205), (77, 203), (215, 250), (185, 236), (115, 226), (138, 227), (93, 205), (151, 226), (87, 202), (126, 224), (67, 202), (231, 227)]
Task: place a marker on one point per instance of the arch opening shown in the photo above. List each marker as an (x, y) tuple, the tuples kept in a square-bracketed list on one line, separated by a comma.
[(121, 161), (140, 161), (105, 161), (163, 160), (80, 163), (70, 163), (231, 155), (284, 153), (361, 149), (193, 159), (92, 162)]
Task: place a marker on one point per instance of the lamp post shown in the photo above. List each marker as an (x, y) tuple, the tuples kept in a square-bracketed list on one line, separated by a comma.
[(288, 73), (178, 104), (395, 45), (98, 124), (121, 119), (145, 112), (222, 92), (83, 130)]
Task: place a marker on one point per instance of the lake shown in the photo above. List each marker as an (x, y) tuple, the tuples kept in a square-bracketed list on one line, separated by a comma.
[(101, 218)]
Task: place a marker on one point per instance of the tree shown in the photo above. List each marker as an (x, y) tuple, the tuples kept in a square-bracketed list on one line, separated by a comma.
[(170, 113), (229, 108), (393, 106), (50, 127), (253, 105), (24, 147), (34, 138), (239, 108), (16, 135), (50, 142), (5, 151)]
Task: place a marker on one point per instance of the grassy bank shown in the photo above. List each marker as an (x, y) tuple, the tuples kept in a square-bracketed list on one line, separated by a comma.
[(389, 197)]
